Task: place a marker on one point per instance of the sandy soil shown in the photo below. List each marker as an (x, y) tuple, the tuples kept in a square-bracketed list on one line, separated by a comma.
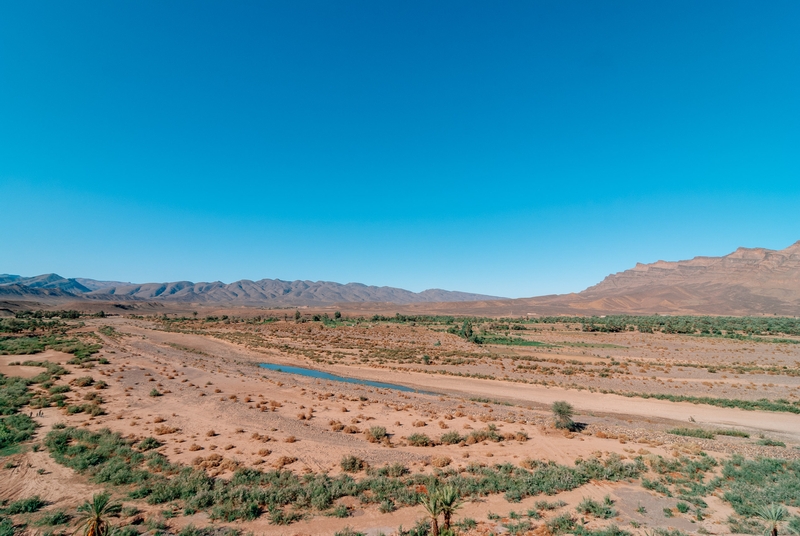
[(217, 400)]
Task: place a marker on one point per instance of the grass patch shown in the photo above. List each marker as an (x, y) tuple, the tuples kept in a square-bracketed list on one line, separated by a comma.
[(762, 404), (512, 341), (34, 345), (51, 519), (15, 429), (770, 443), (285, 497), (591, 507), (692, 432), (732, 433), (24, 506)]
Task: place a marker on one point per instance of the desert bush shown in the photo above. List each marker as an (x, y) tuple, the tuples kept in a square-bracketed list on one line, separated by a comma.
[(692, 432), (7, 527), (283, 461), (83, 381), (277, 516), (347, 531), (486, 434), (732, 433), (451, 438), (591, 507), (149, 443), (106, 457), (770, 443), (611, 530), (340, 511), (420, 440), (441, 461), (387, 506), (54, 518), (352, 464), (751, 484), (395, 470), (375, 434), (546, 506), (15, 429), (25, 506), (561, 524)]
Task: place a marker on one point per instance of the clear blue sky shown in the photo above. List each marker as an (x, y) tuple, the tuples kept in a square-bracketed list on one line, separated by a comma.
[(509, 148)]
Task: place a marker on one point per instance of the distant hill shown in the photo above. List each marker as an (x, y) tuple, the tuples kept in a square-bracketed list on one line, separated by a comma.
[(265, 292), (747, 281)]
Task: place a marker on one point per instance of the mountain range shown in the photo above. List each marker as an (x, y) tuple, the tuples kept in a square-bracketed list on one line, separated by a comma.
[(747, 281), (272, 292)]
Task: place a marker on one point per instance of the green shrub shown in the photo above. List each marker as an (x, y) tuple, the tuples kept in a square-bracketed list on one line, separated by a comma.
[(682, 507), (590, 507), (465, 523), (108, 458), (149, 443), (692, 432), (611, 530), (375, 434), (6, 527), (519, 527), (451, 438), (544, 505), (562, 524), (770, 443), (395, 470), (486, 434), (419, 440), (340, 511), (732, 433), (347, 531), (25, 506), (54, 518), (352, 464), (83, 381), (15, 429)]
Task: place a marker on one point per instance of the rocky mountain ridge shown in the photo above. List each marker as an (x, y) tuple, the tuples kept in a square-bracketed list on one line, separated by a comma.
[(243, 292)]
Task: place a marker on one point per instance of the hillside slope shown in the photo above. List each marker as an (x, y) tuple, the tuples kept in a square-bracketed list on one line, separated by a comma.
[(265, 292)]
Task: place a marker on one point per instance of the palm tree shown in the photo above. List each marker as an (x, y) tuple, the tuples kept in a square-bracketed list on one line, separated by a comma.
[(432, 503), (772, 514), (562, 414), (93, 515), (450, 501)]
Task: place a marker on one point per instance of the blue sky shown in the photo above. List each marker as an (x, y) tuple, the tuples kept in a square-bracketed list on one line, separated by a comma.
[(508, 148)]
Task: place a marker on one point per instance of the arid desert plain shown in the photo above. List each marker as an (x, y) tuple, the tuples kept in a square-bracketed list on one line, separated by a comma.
[(174, 417)]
